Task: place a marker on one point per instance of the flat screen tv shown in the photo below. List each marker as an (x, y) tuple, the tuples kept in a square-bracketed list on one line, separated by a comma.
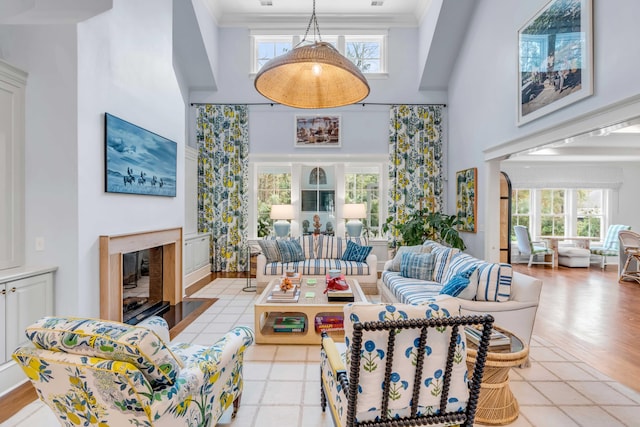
[(138, 161)]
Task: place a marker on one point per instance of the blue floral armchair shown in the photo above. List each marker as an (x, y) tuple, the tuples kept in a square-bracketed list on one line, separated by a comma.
[(381, 378), (104, 373)]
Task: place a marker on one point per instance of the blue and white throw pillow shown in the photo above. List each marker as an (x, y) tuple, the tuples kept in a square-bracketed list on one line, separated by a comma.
[(356, 252), (458, 283), (290, 250), (270, 250), (417, 265)]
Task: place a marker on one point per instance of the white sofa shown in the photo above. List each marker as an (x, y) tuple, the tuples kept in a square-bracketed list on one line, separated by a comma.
[(321, 254), (517, 294)]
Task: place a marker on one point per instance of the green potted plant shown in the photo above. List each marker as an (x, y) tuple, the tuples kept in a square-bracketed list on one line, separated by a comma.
[(423, 225)]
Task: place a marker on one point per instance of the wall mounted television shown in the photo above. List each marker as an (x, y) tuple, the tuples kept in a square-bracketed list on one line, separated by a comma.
[(138, 161)]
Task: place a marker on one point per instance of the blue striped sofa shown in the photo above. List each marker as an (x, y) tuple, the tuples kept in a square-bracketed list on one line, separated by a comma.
[(322, 253), (512, 298)]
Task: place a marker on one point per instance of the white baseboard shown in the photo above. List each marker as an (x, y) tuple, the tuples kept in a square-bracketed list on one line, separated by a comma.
[(193, 277), (11, 376)]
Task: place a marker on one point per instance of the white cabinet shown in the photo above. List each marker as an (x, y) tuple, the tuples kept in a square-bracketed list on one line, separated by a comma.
[(26, 300), (12, 90), (26, 294)]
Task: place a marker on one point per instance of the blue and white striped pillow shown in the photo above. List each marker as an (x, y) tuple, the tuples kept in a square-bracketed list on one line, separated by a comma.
[(290, 250), (356, 252), (270, 250), (417, 265)]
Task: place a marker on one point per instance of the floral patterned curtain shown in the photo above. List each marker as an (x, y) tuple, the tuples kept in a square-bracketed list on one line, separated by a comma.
[(223, 182), (415, 160)]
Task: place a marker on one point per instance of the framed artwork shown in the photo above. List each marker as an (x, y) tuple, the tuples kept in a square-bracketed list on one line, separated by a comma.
[(555, 59), (318, 131), (466, 199), (138, 161)]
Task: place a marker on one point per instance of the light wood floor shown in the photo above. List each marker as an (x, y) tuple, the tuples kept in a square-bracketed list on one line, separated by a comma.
[(586, 312)]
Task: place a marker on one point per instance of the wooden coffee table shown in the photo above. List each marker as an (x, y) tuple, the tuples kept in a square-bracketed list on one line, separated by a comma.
[(266, 312), (496, 403)]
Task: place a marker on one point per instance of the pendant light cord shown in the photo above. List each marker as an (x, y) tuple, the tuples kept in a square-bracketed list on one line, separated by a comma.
[(316, 28)]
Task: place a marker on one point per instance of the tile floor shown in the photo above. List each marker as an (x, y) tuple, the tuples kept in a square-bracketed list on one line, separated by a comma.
[(282, 387)]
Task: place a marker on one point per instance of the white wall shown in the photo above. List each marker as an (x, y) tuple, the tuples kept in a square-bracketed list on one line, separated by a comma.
[(483, 88), (118, 62)]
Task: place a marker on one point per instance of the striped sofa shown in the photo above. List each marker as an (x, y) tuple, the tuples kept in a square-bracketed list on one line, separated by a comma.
[(322, 253), (512, 298)]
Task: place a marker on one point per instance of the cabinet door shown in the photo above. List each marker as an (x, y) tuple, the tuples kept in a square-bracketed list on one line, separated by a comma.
[(27, 300)]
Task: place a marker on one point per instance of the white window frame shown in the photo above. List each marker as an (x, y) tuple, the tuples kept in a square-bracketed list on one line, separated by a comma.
[(338, 38)]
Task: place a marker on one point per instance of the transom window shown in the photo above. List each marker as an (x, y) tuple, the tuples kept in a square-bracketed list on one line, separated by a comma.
[(367, 52)]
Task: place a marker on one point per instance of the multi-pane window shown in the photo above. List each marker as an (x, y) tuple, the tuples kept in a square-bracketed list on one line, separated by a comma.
[(274, 188), (362, 185), (590, 212), (521, 207), (561, 212), (552, 212), (268, 48), (366, 51)]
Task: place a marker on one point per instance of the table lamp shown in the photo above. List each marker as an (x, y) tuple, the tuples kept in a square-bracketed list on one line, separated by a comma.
[(353, 212), (281, 213)]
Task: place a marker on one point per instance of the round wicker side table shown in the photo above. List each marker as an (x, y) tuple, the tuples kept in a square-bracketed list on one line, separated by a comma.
[(496, 404)]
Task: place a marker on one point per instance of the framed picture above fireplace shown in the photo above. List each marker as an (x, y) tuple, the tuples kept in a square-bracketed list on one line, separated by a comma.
[(138, 161)]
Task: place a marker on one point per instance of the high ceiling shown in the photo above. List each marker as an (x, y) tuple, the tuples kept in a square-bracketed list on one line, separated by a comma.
[(269, 12)]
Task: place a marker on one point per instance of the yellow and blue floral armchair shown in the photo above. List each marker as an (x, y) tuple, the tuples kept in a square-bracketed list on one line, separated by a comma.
[(104, 373), (380, 378)]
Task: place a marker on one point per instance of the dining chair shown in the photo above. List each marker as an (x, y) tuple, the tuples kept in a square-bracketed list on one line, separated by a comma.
[(532, 249), (630, 242), (609, 251)]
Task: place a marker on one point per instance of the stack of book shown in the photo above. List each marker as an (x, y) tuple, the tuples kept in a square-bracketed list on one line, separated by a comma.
[(329, 323), (345, 295), (278, 295), (296, 278), (496, 340), (289, 324)]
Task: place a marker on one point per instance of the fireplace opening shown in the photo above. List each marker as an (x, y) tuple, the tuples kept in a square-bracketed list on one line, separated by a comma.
[(142, 285)]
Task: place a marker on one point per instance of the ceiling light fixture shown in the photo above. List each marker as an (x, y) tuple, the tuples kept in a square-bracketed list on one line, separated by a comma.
[(312, 75)]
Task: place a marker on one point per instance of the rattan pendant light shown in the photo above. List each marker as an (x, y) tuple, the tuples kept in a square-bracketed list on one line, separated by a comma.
[(312, 75)]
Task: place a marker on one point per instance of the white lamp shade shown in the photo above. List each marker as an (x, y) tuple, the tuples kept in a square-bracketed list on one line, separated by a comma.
[(354, 211), (282, 212)]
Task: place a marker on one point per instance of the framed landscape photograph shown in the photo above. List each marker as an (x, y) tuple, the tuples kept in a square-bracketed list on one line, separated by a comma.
[(317, 131), (555, 58), (466, 199), (138, 161)]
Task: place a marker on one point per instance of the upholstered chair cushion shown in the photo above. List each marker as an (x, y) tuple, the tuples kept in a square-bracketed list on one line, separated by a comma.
[(374, 357), (108, 340)]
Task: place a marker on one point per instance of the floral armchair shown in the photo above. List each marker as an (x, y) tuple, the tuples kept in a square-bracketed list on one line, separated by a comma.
[(382, 379), (96, 372)]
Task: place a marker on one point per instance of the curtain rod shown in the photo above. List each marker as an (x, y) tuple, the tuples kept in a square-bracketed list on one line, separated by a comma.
[(364, 104)]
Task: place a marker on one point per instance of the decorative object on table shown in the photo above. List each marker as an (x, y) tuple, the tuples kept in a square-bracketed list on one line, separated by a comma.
[(338, 289), (354, 212), (316, 224), (496, 339), (424, 225), (305, 226), (282, 213), (317, 131), (312, 75), (138, 161), (466, 199), (532, 249), (555, 60), (284, 291), (334, 273)]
